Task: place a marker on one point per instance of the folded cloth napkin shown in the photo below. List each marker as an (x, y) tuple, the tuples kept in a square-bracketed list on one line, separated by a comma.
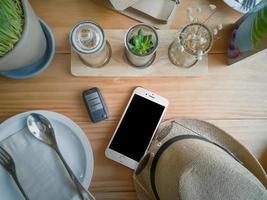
[(158, 13), (39, 169), (121, 5), (158, 9)]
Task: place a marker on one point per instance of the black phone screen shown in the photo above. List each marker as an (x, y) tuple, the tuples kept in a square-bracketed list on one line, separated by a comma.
[(137, 127)]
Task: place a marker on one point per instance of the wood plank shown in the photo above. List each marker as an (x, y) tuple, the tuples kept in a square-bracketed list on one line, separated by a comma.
[(226, 92), (116, 195), (119, 66), (61, 16), (233, 98)]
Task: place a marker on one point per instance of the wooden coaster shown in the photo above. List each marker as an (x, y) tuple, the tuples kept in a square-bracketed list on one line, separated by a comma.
[(119, 66)]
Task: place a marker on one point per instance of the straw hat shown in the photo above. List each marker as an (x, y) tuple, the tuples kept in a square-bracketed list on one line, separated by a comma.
[(191, 159)]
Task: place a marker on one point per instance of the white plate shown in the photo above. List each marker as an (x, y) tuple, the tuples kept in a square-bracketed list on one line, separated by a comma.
[(72, 142), (236, 5)]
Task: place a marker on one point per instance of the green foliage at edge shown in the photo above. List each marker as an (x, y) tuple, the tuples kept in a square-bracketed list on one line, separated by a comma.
[(141, 44), (11, 24), (259, 29)]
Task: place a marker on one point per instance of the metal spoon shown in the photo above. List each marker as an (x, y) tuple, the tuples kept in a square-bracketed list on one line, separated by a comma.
[(41, 128)]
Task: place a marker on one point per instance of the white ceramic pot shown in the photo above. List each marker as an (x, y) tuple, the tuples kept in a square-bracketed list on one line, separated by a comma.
[(31, 46)]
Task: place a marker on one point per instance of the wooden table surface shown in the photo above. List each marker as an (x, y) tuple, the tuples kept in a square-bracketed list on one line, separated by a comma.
[(231, 97)]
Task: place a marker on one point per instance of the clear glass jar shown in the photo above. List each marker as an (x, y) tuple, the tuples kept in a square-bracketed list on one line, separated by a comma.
[(88, 40), (193, 41)]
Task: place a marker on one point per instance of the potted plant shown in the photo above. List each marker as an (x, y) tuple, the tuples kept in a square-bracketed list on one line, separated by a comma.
[(141, 43), (249, 35), (22, 40)]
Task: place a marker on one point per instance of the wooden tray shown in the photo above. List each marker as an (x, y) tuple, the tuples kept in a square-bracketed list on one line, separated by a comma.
[(118, 65)]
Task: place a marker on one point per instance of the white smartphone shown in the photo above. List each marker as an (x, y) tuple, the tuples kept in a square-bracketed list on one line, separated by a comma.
[(136, 127)]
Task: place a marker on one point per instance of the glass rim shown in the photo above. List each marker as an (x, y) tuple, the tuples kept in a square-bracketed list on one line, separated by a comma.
[(205, 27), (93, 50)]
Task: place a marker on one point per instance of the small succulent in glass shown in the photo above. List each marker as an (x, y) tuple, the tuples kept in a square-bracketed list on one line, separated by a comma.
[(195, 39), (141, 43)]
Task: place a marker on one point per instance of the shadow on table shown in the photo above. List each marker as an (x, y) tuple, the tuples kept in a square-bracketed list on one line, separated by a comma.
[(263, 160)]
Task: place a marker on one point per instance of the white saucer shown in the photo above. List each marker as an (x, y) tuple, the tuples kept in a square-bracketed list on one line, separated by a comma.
[(72, 142)]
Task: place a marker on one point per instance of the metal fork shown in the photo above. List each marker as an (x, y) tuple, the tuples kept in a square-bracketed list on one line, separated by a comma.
[(8, 163)]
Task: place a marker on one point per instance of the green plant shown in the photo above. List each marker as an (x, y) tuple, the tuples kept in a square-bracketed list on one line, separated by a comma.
[(141, 44), (11, 24), (259, 29)]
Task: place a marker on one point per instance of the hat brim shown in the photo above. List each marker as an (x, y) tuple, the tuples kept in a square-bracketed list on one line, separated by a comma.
[(222, 138)]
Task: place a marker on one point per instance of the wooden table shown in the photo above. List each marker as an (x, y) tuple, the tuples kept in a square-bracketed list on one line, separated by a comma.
[(232, 97)]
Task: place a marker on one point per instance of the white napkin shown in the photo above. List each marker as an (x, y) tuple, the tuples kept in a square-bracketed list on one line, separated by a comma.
[(39, 169), (158, 13), (159, 9), (122, 4)]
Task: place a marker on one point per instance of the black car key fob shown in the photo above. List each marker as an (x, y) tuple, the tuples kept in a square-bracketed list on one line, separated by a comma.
[(95, 105)]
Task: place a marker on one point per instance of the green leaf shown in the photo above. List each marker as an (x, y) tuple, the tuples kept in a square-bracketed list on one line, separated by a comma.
[(259, 29), (11, 24), (141, 32), (141, 44)]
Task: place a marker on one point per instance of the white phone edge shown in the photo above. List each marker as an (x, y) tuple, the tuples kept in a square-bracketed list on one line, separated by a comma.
[(117, 156)]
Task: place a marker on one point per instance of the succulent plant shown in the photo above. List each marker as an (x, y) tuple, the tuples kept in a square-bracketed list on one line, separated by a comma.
[(11, 24), (259, 29), (141, 44)]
